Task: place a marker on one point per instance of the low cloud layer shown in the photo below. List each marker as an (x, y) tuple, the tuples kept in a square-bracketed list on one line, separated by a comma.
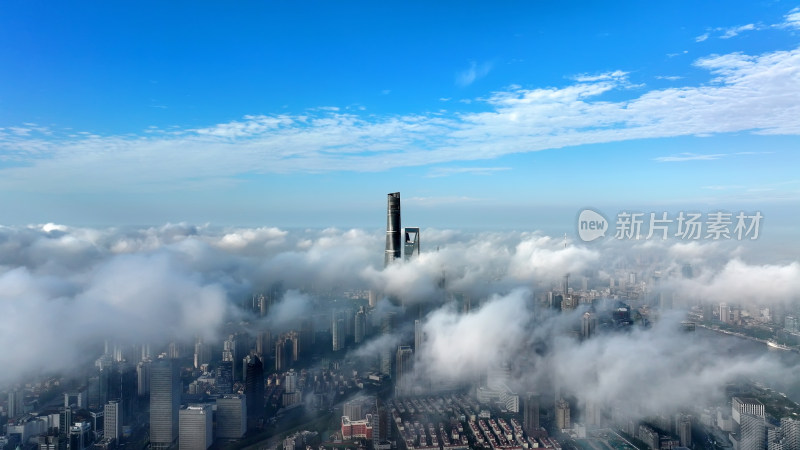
[(63, 290)]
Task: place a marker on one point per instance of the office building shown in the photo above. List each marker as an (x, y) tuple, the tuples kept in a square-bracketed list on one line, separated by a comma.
[(231, 417), (224, 377), (254, 386), (112, 419), (165, 400), (196, 427), (745, 405), (753, 432)]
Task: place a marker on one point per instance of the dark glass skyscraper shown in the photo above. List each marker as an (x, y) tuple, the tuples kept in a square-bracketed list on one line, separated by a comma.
[(254, 386), (393, 248)]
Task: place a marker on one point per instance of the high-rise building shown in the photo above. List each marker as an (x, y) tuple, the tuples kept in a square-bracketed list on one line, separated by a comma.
[(748, 405), (562, 415), (419, 336), (202, 353), (724, 313), (254, 386), (411, 247), (52, 442), (338, 332), (143, 378), (790, 433), (649, 436), (387, 327), (224, 377), (230, 352), (360, 326), (64, 420), (280, 355), (15, 403), (530, 415), (393, 248), (231, 417), (290, 381), (354, 409), (403, 370), (684, 429), (588, 325), (112, 419), (196, 427), (80, 436), (753, 432), (165, 400)]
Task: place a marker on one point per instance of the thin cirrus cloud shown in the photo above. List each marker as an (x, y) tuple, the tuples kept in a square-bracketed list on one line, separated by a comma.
[(682, 157), (758, 94), (474, 72), (447, 171)]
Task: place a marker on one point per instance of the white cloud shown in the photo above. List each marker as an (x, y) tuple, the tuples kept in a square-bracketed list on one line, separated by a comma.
[(792, 19), (734, 31), (474, 72), (615, 75), (747, 93), (689, 157), (447, 171), (701, 38)]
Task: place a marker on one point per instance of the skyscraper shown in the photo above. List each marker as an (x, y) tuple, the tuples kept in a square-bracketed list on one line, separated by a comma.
[(280, 355), (112, 419), (143, 378), (753, 432), (387, 325), (403, 370), (15, 399), (360, 325), (231, 417), (338, 332), (790, 433), (684, 430), (562, 415), (419, 336), (393, 248), (588, 325), (254, 386), (530, 407), (224, 381), (165, 400), (196, 427), (411, 247)]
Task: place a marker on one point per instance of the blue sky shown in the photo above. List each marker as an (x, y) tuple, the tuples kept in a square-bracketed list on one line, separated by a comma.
[(305, 114)]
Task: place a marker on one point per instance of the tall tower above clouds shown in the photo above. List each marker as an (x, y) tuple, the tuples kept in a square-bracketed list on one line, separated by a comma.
[(393, 245)]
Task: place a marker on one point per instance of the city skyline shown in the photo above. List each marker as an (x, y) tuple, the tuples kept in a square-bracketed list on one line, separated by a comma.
[(554, 225)]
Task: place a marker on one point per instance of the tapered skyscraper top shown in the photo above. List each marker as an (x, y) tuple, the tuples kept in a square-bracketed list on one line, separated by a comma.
[(393, 246)]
